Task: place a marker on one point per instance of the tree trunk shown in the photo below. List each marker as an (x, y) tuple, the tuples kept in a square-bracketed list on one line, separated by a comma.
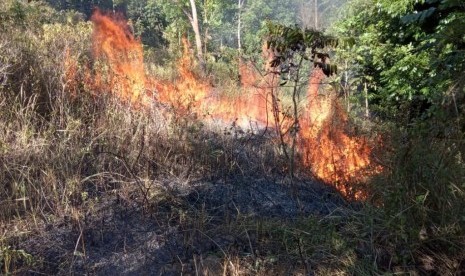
[(240, 3), (205, 40), (315, 7), (367, 111), (198, 40), (205, 25), (347, 86)]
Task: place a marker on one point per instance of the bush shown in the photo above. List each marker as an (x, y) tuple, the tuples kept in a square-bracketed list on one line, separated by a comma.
[(35, 44), (422, 195)]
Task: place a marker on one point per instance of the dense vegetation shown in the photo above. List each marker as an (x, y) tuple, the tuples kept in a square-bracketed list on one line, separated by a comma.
[(68, 151), (409, 54)]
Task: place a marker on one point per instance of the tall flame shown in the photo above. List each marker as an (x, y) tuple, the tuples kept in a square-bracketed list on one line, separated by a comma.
[(119, 55), (330, 153), (333, 156)]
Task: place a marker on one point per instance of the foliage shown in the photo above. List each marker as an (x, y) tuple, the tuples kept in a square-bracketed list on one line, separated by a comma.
[(411, 55), (146, 16), (162, 22), (422, 195), (410, 50), (10, 258), (148, 21), (215, 20), (16, 14), (256, 13), (287, 42), (36, 47)]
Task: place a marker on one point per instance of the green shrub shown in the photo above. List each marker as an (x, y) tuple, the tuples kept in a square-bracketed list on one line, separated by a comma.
[(422, 196), (10, 258)]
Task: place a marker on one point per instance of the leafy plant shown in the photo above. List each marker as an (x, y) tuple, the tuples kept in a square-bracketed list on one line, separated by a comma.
[(10, 258), (289, 47)]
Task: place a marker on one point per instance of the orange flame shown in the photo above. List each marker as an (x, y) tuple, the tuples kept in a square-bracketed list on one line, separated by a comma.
[(248, 107), (119, 59), (333, 156), (330, 153), (188, 91), (70, 74), (253, 105), (191, 93)]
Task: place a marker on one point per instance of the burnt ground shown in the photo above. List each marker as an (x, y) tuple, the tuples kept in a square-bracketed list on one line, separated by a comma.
[(179, 227)]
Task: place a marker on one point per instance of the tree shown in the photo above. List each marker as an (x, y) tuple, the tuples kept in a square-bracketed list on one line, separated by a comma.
[(411, 50), (254, 15), (240, 4), (148, 20), (193, 19), (200, 17), (291, 47)]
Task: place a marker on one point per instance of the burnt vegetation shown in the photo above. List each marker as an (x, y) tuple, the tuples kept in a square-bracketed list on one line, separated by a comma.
[(337, 152)]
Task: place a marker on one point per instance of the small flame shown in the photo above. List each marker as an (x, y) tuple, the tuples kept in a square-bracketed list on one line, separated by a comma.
[(71, 72)]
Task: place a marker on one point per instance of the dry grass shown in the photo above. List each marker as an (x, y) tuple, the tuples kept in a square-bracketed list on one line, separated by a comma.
[(83, 174)]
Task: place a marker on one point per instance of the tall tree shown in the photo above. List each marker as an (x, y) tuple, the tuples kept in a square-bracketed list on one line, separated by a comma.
[(201, 17), (240, 4), (193, 19), (315, 13)]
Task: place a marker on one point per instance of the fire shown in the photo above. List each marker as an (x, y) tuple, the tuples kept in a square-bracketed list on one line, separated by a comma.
[(70, 75), (251, 105), (188, 91), (330, 153), (333, 156), (119, 64)]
